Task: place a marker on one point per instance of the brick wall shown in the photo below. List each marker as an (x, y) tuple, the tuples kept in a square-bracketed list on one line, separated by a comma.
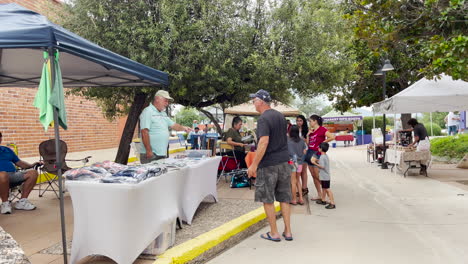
[(88, 129), (44, 7)]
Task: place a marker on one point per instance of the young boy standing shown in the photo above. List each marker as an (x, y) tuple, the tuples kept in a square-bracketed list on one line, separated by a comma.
[(324, 174)]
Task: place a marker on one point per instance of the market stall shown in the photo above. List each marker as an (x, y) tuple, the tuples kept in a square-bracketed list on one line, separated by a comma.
[(29, 42), (119, 216), (426, 95), (347, 118)]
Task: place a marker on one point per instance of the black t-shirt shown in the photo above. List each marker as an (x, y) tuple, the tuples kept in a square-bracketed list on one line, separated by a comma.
[(273, 124), (420, 131)]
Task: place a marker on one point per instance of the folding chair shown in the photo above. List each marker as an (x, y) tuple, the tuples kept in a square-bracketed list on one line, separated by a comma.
[(49, 169), (226, 160), (182, 141)]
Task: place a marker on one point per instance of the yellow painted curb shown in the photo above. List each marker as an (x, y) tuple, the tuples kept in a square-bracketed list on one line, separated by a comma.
[(172, 151), (193, 248)]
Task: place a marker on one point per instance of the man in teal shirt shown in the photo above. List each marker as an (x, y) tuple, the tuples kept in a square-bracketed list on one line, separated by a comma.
[(154, 125)]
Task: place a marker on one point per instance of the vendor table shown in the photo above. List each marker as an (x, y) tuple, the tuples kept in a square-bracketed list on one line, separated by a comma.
[(120, 220), (405, 160), (344, 138)]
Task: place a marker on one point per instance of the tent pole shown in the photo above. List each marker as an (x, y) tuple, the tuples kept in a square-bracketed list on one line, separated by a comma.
[(57, 158), (395, 133), (432, 131)]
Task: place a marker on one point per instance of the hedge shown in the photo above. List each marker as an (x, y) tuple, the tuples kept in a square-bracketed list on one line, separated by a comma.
[(451, 146), (435, 128)]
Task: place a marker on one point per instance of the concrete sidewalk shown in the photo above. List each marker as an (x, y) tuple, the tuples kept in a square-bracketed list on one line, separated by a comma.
[(380, 218)]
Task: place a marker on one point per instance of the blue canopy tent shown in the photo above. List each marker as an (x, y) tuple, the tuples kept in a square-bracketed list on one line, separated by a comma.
[(25, 35)]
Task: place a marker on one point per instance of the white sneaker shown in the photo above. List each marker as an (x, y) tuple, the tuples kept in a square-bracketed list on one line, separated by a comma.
[(24, 204), (5, 208)]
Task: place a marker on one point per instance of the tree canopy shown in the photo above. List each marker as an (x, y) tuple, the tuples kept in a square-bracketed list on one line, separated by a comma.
[(421, 39), (217, 51)]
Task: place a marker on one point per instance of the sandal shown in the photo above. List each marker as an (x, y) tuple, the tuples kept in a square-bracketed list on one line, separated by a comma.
[(301, 202), (293, 203), (305, 191), (287, 238), (321, 202), (268, 237), (330, 206)]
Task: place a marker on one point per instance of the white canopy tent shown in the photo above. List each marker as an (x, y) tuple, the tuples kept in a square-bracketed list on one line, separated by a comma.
[(425, 95)]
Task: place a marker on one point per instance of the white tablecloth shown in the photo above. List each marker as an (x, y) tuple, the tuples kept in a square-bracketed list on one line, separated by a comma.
[(199, 182), (399, 158), (120, 220)]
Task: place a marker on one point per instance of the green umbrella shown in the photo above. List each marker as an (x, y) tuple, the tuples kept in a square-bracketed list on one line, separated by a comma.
[(46, 97)]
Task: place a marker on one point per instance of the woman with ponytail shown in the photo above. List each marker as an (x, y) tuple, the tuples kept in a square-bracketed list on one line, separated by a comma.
[(301, 122), (316, 135)]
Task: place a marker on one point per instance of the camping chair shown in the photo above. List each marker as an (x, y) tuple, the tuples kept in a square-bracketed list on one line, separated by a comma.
[(226, 164), (49, 169)]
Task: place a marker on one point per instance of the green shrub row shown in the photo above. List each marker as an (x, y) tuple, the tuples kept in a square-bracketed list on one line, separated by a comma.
[(451, 146)]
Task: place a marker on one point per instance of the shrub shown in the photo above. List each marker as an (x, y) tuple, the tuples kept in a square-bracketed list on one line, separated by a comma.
[(368, 123), (451, 146), (435, 128)]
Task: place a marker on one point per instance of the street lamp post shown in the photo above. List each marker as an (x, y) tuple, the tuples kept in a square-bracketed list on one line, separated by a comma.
[(385, 68)]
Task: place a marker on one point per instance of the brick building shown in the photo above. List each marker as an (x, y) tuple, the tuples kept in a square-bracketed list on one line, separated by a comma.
[(88, 129)]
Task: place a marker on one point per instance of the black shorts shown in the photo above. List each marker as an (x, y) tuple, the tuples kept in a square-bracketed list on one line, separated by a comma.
[(311, 154), (325, 184)]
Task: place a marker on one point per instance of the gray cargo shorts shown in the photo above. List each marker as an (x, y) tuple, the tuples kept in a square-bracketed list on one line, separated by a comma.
[(16, 178), (273, 183)]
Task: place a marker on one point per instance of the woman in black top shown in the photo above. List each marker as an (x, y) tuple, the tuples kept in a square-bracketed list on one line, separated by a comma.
[(234, 139), (301, 122)]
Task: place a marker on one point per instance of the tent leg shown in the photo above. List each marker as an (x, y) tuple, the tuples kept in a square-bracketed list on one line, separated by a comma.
[(432, 131), (58, 163)]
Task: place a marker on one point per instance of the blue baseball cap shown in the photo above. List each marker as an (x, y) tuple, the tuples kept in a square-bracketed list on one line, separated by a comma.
[(262, 94)]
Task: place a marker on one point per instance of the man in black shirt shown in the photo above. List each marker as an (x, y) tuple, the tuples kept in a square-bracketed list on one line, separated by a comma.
[(270, 166), (420, 133)]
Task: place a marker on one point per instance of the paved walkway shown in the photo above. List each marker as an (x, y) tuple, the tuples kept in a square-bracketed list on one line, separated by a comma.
[(380, 218)]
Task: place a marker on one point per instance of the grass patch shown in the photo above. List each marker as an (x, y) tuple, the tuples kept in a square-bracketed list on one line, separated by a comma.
[(451, 146)]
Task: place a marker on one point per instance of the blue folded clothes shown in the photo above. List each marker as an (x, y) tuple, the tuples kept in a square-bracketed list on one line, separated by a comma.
[(135, 174)]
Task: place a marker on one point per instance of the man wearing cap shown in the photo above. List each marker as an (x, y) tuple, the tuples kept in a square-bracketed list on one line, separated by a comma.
[(154, 125), (270, 166)]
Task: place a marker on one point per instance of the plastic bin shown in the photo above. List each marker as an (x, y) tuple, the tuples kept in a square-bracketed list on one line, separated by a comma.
[(164, 241), (334, 145)]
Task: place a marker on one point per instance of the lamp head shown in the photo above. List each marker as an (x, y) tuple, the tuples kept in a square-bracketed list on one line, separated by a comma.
[(387, 66)]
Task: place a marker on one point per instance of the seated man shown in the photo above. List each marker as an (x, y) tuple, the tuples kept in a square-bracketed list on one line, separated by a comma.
[(9, 177)]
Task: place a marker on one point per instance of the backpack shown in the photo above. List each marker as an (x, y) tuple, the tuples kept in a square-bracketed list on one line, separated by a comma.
[(239, 179)]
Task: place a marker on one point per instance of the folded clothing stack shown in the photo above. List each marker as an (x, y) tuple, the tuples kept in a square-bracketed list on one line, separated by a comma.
[(111, 172), (111, 166), (87, 174)]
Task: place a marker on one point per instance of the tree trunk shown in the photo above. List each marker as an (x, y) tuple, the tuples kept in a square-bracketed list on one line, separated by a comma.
[(132, 120), (404, 120), (213, 119)]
